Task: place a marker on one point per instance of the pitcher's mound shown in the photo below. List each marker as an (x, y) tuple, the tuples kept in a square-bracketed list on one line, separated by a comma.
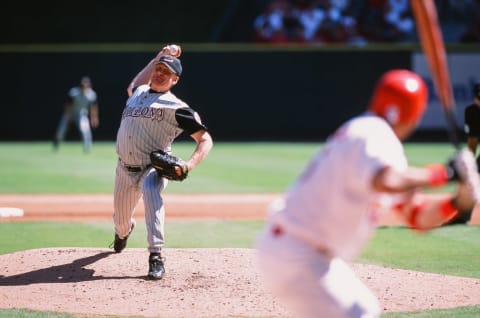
[(208, 282)]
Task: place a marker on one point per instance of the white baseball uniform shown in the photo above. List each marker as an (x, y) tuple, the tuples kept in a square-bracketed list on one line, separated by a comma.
[(326, 218), (80, 102), (150, 121)]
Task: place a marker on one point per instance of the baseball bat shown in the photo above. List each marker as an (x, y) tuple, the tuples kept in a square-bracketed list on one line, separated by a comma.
[(431, 40)]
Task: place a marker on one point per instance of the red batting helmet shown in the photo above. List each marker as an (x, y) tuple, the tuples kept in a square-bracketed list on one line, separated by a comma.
[(400, 96)]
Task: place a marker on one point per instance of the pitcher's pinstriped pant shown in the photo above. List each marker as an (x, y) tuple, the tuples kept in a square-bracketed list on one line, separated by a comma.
[(129, 188)]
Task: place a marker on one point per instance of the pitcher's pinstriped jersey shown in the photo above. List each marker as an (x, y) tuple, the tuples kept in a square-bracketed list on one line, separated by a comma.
[(151, 121)]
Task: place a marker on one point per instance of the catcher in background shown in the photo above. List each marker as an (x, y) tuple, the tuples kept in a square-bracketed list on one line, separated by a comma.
[(152, 119), (332, 209), (472, 131)]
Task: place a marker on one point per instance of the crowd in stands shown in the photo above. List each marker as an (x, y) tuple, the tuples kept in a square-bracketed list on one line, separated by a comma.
[(355, 21), (472, 30)]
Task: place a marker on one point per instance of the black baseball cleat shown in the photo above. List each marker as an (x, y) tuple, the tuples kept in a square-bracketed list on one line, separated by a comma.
[(119, 244), (156, 268)]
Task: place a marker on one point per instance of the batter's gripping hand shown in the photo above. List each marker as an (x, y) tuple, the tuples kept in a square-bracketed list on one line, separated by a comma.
[(460, 165), (466, 168), (168, 166)]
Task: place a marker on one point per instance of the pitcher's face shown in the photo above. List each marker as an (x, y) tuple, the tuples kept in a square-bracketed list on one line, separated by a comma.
[(163, 79)]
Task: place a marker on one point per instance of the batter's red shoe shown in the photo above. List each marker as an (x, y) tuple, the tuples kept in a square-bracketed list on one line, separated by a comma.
[(119, 244), (156, 267)]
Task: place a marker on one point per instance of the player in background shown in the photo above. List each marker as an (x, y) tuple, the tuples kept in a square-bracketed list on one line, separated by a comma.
[(332, 209), (152, 119), (472, 132), (81, 104)]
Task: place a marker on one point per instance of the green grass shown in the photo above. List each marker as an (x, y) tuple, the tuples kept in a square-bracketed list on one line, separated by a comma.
[(463, 312), (35, 168), (26, 313), (452, 250), (230, 167), (425, 153), (179, 234)]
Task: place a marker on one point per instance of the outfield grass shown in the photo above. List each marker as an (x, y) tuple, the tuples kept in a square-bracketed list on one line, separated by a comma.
[(229, 168), (179, 234), (33, 168)]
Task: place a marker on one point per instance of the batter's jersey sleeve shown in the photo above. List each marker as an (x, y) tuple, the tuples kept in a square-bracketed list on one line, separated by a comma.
[(472, 121)]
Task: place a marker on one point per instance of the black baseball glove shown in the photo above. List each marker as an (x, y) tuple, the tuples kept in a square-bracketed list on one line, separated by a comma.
[(168, 166)]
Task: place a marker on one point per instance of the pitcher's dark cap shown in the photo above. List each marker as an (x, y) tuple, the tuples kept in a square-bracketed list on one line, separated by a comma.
[(172, 63)]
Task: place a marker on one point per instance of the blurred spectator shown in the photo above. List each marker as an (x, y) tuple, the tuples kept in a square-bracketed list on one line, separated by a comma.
[(369, 16), (338, 26), (386, 20), (310, 17), (399, 17), (360, 21), (306, 21), (472, 32), (269, 26)]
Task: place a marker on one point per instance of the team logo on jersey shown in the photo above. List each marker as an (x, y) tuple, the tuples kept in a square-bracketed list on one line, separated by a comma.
[(145, 112)]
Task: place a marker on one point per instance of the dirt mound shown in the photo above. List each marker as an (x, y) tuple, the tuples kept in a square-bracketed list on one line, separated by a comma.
[(198, 283)]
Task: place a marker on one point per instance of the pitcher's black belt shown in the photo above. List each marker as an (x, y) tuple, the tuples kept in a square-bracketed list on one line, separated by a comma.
[(133, 168)]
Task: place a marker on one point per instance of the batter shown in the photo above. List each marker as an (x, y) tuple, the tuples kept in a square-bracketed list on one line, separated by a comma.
[(333, 208), (152, 119)]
